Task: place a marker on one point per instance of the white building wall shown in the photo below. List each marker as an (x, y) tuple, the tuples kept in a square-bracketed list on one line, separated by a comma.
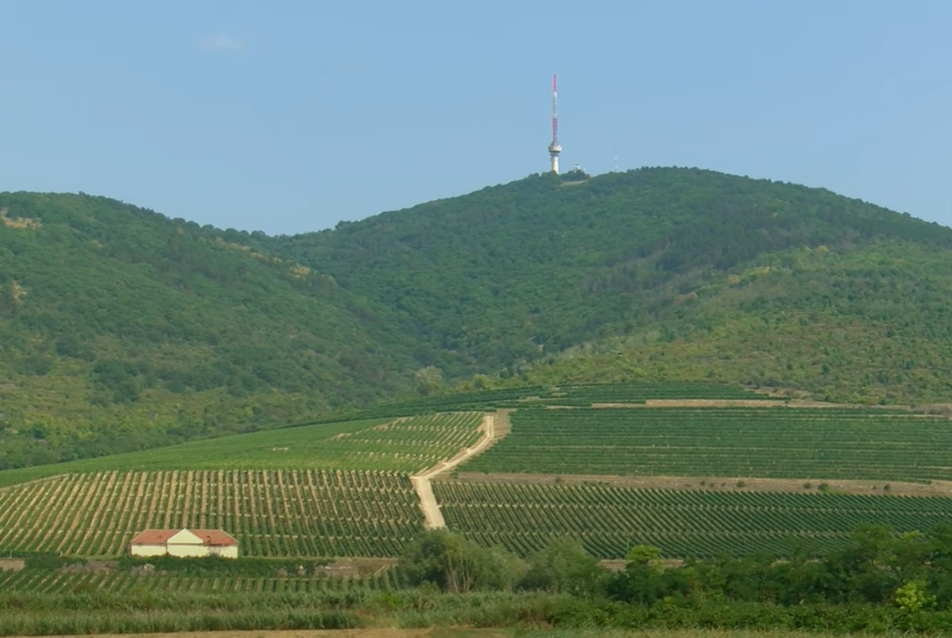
[(147, 550), (185, 544), (224, 551), (183, 550)]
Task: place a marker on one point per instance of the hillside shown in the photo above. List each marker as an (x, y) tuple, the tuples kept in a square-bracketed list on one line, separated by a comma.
[(734, 475), (661, 273), (122, 329)]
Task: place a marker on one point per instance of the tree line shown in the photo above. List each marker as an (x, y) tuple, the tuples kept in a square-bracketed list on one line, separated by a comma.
[(908, 572)]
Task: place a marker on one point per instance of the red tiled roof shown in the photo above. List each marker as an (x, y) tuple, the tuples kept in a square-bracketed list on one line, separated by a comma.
[(212, 537), (154, 536)]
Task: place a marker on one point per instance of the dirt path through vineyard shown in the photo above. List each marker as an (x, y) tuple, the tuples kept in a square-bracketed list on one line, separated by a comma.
[(722, 484), (432, 516)]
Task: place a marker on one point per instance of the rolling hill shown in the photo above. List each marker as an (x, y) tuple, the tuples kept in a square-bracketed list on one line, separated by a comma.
[(661, 273), (122, 329)]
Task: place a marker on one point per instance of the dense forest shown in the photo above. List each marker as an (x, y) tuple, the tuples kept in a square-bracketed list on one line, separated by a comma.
[(121, 328), (661, 273)]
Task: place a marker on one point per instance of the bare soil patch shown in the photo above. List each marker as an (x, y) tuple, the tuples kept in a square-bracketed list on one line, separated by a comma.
[(91, 566), (490, 437), (721, 484), (11, 564), (696, 403), (503, 425), (762, 403), (360, 567), (432, 515)]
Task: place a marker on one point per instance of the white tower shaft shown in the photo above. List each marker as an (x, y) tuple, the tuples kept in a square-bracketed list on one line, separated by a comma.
[(555, 148)]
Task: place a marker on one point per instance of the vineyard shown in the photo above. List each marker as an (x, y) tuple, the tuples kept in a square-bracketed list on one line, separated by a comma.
[(610, 520), (770, 442), (398, 445), (566, 395), (64, 581), (272, 513)]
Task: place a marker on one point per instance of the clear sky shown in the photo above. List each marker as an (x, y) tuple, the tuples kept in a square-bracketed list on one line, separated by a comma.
[(288, 116)]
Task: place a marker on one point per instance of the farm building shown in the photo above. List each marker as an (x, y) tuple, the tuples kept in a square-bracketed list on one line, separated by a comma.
[(184, 543)]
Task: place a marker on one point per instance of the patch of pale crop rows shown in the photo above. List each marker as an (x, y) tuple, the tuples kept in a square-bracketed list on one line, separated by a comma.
[(573, 395), (270, 512), (586, 395), (772, 442), (414, 443), (609, 520), (63, 581)]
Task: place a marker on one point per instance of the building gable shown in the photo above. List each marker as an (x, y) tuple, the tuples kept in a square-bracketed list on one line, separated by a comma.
[(184, 543), (185, 537)]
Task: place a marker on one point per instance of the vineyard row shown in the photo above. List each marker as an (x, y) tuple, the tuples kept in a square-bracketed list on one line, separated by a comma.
[(743, 442), (270, 512), (46, 581), (609, 520)]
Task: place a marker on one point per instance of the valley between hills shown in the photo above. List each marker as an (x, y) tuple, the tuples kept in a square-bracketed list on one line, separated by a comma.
[(638, 370)]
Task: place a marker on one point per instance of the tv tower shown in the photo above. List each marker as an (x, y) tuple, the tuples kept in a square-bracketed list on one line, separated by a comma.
[(554, 147)]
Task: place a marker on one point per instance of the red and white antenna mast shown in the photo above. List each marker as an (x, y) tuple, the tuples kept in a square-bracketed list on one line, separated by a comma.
[(554, 147)]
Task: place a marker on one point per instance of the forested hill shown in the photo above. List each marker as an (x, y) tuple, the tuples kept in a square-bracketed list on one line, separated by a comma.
[(665, 273), (121, 328)]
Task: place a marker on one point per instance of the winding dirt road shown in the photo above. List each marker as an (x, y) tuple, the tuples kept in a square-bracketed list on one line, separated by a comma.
[(432, 516)]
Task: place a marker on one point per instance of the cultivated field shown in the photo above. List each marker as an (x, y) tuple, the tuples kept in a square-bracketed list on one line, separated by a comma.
[(271, 512), (344, 489), (770, 442), (401, 445), (609, 520), (65, 581), (567, 395)]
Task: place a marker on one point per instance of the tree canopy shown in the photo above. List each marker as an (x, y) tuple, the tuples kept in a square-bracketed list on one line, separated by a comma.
[(121, 328)]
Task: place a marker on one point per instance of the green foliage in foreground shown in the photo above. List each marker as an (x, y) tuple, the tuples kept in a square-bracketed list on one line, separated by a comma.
[(532, 615), (770, 442), (912, 571), (880, 583)]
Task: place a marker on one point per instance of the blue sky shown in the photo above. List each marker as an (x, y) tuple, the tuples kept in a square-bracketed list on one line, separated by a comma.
[(288, 116)]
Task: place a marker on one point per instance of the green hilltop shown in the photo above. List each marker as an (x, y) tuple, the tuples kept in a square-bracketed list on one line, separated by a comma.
[(122, 329), (661, 273)]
